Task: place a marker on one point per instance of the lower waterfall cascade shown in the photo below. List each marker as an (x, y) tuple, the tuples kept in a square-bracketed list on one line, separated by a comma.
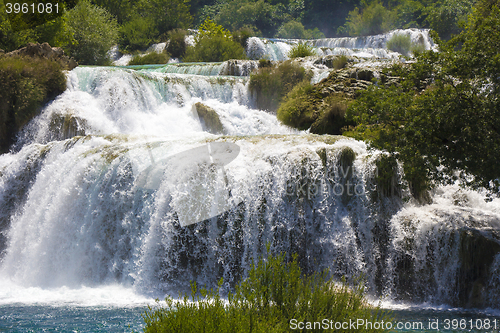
[(76, 222)]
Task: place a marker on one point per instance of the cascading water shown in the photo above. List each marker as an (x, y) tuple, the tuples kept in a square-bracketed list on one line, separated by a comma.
[(79, 226)]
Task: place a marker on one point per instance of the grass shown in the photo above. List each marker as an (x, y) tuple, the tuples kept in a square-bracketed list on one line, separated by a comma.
[(399, 43), (275, 297), (177, 44), (25, 85), (270, 84), (402, 44), (301, 50), (340, 62), (150, 59)]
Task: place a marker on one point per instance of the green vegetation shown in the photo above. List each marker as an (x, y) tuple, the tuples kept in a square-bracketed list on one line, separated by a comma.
[(399, 43), (402, 43), (149, 22), (442, 120), (271, 83), (150, 58), (295, 29), (340, 62), (301, 50), (371, 20), (25, 84), (214, 43), (177, 43), (274, 295), (305, 107), (447, 16), (94, 31)]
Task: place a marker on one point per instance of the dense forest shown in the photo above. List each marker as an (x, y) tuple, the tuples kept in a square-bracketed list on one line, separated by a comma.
[(88, 30)]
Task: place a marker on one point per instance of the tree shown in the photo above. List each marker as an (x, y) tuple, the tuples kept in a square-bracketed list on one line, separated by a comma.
[(95, 32), (443, 120)]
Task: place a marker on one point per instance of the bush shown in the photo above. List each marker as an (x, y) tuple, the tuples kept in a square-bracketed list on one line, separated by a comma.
[(295, 29), (241, 35), (402, 44), (291, 29), (399, 43), (214, 43), (274, 298), (271, 84), (339, 62), (95, 32), (213, 49), (177, 43), (25, 84), (301, 50), (150, 59), (331, 119), (296, 110), (372, 20)]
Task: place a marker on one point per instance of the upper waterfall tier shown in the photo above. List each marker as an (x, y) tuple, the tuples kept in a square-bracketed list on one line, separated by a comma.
[(277, 49), (123, 101), (364, 47)]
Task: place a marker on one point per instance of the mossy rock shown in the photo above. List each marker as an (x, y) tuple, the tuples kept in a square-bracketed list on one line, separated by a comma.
[(209, 118), (365, 74)]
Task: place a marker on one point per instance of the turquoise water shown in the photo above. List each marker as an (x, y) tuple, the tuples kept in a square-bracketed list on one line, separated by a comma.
[(35, 318), (70, 319)]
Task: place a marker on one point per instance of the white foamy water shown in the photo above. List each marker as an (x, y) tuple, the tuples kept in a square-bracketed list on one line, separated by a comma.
[(79, 227)]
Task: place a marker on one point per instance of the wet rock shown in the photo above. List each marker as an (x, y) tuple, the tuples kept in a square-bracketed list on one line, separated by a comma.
[(45, 51), (209, 118)]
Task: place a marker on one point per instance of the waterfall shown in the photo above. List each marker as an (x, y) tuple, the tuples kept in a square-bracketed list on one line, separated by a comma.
[(99, 185), (363, 47)]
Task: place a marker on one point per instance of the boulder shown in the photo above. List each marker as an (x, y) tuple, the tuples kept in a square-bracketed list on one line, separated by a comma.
[(209, 118), (45, 51)]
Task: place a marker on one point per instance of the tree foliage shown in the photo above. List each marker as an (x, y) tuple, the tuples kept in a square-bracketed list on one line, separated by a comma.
[(443, 120), (214, 43), (371, 20), (95, 31)]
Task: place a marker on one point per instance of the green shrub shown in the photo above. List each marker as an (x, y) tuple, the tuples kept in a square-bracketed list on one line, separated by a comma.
[(137, 34), (214, 43), (95, 32), (402, 43), (371, 20), (339, 62), (213, 49), (399, 43), (25, 84), (331, 119), (150, 59), (295, 29), (296, 110), (241, 35), (271, 84), (301, 50), (274, 298), (177, 43), (291, 29)]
